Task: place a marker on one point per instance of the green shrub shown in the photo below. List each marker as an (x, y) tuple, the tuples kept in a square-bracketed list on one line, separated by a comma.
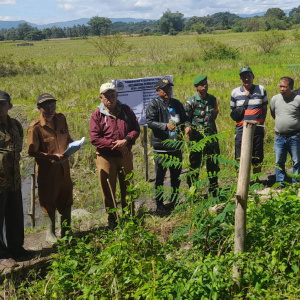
[(213, 49), (269, 40)]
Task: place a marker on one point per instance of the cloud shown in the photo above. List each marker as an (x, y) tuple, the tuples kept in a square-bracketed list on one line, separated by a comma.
[(6, 18), (8, 2), (66, 6)]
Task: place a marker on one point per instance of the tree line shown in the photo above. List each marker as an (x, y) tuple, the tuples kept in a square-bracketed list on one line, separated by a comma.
[(170, 23)]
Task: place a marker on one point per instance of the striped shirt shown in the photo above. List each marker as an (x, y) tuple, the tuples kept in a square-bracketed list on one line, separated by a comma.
[(257, 100)]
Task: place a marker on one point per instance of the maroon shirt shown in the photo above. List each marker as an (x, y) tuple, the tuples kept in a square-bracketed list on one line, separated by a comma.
[(105, 129)]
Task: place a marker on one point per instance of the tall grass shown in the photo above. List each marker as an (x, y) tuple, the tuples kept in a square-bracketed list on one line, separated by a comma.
[(72, 70)]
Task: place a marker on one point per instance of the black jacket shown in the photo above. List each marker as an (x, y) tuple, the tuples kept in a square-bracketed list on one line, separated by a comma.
[(157, 116)]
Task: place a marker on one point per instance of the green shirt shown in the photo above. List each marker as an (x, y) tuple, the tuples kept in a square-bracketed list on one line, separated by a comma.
[(202, 113)]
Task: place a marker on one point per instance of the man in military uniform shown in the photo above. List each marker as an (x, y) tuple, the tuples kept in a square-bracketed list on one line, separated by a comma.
[(201, 111), (11, 207), (48, 138)]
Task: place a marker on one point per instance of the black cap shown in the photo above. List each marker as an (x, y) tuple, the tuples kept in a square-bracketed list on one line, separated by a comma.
[(44, 97), (4, 96), (163, 83)]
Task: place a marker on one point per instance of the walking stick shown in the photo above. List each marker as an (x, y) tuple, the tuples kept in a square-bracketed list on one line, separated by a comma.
[(114, 200)]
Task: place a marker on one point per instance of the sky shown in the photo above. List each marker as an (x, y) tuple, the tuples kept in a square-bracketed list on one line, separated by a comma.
[(50, 11)]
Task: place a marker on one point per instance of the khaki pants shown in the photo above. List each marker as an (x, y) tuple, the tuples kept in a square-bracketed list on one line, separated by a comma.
[(110, 168)]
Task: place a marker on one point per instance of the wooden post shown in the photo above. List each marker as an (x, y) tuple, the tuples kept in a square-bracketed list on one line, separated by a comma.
[(146, 152), (242, 195), (32, 200)]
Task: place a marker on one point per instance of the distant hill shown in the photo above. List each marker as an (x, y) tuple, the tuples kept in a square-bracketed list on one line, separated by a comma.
[(259, 14), (82, 21)]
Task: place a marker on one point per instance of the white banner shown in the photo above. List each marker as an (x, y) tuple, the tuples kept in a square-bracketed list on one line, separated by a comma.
[(137, 93)]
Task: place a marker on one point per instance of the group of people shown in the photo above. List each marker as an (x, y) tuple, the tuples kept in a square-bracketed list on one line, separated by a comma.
[(284, 108), (114, 129)]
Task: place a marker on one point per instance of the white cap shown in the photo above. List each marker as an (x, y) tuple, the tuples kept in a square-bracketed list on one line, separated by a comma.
[(107, 86)]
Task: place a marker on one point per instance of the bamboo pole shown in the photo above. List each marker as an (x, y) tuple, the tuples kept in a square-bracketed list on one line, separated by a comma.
[(114, 200), (146, 152), (32, 201), (242, 195)]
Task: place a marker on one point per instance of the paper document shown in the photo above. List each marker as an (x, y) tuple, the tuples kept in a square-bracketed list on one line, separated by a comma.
[(73, 147)]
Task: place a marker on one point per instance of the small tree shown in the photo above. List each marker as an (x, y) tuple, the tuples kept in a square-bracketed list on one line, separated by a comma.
[(111, 46), (267, 41)]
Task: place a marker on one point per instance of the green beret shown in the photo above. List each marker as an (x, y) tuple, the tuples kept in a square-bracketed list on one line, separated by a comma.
[(199, 78)]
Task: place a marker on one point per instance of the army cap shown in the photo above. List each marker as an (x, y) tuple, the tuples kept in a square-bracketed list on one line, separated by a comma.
[(44, 97), (245, 69), (4, 96), (199, 78)]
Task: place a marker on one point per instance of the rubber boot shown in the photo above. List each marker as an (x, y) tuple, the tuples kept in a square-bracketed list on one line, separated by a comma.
[(50, 223), (65, 220)]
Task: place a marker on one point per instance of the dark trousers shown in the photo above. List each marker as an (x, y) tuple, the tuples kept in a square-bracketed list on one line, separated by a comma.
[(212, 166), (160, 173), (11, 223), (258, 145)]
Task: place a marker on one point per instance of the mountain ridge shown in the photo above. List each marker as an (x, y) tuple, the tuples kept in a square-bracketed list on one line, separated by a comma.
[(84, 21)]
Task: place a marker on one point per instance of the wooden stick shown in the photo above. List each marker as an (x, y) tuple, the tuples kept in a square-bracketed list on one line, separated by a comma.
[(242, 196), (114, 200)]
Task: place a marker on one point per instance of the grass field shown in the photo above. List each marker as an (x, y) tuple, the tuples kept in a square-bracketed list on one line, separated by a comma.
[(188, 255), (73, 70)]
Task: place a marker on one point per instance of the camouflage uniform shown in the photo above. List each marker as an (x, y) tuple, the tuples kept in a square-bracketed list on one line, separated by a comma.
[(201, 115), (11, 206)]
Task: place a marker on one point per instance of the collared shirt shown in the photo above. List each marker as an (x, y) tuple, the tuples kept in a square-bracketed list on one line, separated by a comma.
[(11, 141), (258, 99), (42, 138)]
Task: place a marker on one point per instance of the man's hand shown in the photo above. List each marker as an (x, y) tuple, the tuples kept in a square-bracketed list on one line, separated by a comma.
[(58, 157), (188, 130), (121, 145), (171, 126)]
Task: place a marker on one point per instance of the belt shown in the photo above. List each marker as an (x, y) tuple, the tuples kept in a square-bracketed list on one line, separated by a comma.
[(287, 134)]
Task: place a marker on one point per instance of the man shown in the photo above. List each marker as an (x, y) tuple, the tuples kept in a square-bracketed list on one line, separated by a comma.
[(256, 110), (159, 118), (11, 206), (285, 109), (113, 129), (201, 111), (48, 138)]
